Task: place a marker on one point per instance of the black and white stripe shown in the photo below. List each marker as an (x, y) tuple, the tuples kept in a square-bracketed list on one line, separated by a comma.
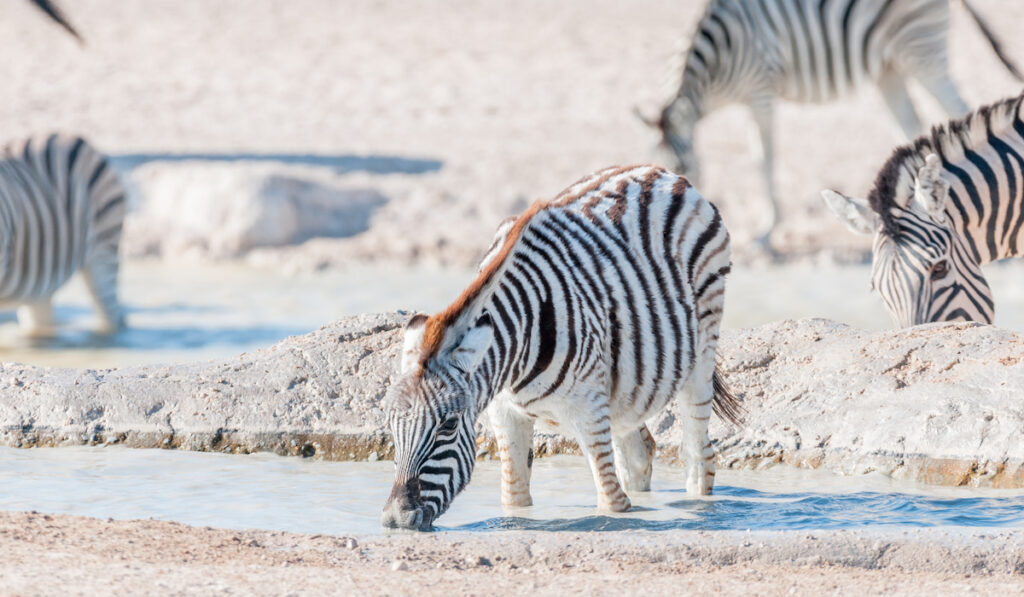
[(753, 51), (590, 314), (941, 208), (61, 211)]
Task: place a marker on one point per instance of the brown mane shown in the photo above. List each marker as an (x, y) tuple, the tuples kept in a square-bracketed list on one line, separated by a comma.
[(438, 323)]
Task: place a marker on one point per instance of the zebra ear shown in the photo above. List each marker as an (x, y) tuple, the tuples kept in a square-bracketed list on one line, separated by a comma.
[(855, 213), (470, 352), (930, 191), (413, 341)]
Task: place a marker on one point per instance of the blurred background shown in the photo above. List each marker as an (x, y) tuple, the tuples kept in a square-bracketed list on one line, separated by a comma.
[(293, 162)]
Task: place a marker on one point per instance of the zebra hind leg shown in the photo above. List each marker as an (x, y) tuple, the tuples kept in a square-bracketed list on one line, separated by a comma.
[(696, 448), (634, 458), (763, 144), (100, 275), (514, 433), (36, 318)]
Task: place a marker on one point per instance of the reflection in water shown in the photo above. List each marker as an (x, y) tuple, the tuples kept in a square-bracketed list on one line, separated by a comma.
[(292, 494)]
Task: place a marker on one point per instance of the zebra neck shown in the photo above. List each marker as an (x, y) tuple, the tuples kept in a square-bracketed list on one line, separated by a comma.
[(994, 232)]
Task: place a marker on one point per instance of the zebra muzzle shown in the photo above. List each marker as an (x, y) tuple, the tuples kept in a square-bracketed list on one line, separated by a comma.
[(403, 509)]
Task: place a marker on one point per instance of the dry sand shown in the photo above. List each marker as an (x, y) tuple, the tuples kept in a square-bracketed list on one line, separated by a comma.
[(515, 100), (69, 555)]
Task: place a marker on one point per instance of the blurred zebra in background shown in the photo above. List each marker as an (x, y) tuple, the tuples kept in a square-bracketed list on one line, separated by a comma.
[(61, 210), (590, 314), (753, 51), (941, 208)]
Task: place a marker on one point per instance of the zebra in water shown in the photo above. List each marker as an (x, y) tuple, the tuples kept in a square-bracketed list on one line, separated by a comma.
[(61, 210), (942, 207), (753, 51), (590, 313)]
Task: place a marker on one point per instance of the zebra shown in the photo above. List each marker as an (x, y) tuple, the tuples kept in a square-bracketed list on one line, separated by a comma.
[(942, 207), (753, 51), (61, 211), (590, 313)]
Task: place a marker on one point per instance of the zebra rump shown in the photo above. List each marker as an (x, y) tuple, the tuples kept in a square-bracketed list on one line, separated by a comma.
[(61, 211)]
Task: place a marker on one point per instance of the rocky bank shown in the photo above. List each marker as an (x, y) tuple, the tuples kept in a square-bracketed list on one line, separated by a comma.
[(939, 404)]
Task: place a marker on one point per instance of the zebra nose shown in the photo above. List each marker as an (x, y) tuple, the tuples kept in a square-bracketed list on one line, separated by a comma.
[(395, 516)]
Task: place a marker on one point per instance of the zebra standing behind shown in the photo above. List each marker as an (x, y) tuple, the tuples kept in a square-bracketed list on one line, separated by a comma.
[(942, 207), (61, 211), (753, 51), (591, 312)]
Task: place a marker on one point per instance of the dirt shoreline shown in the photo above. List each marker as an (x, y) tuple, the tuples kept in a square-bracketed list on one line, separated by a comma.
[(60, 554)]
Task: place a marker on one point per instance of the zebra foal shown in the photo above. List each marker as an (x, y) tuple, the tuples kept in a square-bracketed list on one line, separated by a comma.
[(942, 207), (753, 51), (61, 210), (590, 313)]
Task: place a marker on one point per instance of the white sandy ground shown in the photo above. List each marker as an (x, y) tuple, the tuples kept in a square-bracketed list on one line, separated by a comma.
[(515, 100), (70, 555)]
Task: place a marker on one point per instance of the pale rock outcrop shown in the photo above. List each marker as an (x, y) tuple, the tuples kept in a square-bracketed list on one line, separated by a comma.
[(939, 404)]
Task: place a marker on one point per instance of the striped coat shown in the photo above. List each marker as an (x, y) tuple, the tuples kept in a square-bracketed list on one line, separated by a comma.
[(590, 314), (942, 207), (753, 51), (61, 211)]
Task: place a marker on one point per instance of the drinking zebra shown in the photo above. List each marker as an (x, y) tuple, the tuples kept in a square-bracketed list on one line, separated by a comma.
[(61, 209), (942, 207), (810, 51), (591, 312)]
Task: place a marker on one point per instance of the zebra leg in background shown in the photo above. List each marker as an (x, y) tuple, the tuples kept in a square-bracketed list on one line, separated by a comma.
[(761, 106), (594, 434), (634, 458), (894, 91), (514, 433), (36, 318), (944, 90), (100, 276)]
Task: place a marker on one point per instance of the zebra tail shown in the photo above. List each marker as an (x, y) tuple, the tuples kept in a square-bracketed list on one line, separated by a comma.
[(725, 404), (55, 13), (996, 46)]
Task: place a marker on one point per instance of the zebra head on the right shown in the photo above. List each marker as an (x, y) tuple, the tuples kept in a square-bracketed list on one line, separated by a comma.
[(921, 265), (431, 412)]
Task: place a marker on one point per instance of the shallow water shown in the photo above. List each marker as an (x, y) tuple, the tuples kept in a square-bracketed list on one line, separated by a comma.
[(180, 314), (291, 494)]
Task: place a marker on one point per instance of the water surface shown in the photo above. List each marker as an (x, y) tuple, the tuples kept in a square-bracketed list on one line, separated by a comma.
[(291, 494)]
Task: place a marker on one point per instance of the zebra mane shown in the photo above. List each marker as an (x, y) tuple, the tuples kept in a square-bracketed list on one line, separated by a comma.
[(438, 324), (951, 141)]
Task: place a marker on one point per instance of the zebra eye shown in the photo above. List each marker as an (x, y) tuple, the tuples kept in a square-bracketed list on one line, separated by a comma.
[(449, 425), (940, 269)]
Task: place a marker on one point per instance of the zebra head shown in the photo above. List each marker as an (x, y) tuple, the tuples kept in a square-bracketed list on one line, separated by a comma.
[(921, 264), (677, 123), (431, 412)]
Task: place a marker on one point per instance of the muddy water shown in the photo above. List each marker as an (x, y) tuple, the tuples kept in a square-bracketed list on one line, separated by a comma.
[(179, 314), (271, 492)]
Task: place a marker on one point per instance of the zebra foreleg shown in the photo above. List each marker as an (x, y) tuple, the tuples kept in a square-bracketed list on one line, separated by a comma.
[(514, 433), (100, 276), (894, 92), (634, 458), (594, 434), (764, 147), (945, 91), (36, 318)]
